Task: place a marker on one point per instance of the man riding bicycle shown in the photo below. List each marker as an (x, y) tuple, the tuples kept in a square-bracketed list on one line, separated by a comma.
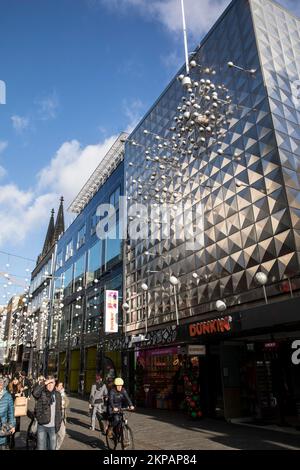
[(118, 398)]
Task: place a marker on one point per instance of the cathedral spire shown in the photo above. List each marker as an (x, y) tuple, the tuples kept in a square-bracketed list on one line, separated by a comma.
[(50, 235), (60, 221)]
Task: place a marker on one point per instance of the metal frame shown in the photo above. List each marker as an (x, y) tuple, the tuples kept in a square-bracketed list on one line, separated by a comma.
[(103, 171)]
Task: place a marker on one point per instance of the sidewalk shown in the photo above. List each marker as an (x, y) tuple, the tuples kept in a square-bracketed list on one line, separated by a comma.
[(167, 430)]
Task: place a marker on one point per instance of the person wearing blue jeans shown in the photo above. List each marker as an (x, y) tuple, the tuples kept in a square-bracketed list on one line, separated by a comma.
[(46, 437), (48, 412)]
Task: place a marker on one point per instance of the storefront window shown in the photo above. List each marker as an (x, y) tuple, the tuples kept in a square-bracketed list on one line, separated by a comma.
[(155, 373)]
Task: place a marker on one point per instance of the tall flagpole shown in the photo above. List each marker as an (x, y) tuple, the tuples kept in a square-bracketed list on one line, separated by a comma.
[(185, 39)]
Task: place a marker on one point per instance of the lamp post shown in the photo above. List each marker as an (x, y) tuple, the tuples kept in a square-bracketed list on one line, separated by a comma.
[(174, 281), (49, 319), (145, 304), (262, 279)]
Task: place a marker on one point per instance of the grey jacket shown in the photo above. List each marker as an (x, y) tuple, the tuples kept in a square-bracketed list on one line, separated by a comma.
[(97, 396)]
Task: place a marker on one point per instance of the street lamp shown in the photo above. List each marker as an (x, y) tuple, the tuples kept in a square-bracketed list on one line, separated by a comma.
[(175, 281), (220, 306), (145, 289), (262, 279)]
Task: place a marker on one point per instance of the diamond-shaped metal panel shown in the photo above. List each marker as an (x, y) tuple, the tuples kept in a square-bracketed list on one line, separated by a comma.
[(249, 194)]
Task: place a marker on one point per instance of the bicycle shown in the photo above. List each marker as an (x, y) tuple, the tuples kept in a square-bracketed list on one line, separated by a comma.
[(31, 436), (121, 433)]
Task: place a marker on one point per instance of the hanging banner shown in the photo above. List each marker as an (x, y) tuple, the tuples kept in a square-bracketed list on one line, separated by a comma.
[(111, 311)]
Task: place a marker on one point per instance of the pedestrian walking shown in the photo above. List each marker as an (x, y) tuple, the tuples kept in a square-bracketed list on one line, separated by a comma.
[(65, 404), (97, 400), (48, 411), (16, 390), (7, 416)]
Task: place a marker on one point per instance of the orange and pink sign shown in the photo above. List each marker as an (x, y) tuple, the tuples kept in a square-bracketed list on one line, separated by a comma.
[(111, 311)]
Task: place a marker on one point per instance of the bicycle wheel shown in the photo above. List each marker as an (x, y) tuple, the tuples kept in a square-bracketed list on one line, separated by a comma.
[(127, 442), (111, 442)]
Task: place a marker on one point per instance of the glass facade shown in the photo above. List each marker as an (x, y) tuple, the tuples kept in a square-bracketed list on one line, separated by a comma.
[(69, 250), (88, 268), (95, 258), (81, 237), (246, 184)]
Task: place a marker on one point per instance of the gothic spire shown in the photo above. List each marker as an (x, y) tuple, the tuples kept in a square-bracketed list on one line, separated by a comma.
[(50, 235), (60, 221)]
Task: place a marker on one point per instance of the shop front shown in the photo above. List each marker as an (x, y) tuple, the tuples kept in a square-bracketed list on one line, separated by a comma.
[(269, 380), (184, 374)]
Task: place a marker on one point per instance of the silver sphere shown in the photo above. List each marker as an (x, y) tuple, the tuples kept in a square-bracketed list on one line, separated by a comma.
[(220, 306), (261, 278)]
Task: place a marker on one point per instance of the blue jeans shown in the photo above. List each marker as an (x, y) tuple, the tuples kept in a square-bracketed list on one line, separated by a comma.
[(46, 438)]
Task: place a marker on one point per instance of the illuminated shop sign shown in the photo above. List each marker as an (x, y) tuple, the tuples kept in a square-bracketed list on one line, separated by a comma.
[(219, 325)]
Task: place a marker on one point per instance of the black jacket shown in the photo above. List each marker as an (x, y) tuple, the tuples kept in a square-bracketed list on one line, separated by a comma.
[(42, 407), (118, 399)]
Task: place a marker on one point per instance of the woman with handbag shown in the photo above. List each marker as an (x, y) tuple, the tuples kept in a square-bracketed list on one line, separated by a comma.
[(7, 418), (16, 390)]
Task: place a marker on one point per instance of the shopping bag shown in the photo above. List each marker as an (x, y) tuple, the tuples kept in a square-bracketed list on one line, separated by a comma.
[(20, 406)]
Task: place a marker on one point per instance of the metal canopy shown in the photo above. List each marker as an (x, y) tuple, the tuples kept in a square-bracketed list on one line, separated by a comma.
[(105, 168)]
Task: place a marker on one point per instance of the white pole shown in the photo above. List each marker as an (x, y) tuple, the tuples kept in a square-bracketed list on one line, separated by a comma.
[(185, 39), (176, 306)]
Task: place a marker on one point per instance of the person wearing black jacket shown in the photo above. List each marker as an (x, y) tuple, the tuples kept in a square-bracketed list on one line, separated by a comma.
[(48, 411), (118, 398)]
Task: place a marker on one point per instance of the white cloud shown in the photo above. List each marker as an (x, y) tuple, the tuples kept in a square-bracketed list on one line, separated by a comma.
[(71, 166), (3, 145), (200, 15), (20, 123), (47, 107), (22, 212)]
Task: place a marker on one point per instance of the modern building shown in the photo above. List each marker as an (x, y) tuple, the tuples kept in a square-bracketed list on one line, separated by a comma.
[(40, 293), (88, 265), (240, 166)]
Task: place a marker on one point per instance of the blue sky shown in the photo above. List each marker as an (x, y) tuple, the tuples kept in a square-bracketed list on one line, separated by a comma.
[(77, 73)]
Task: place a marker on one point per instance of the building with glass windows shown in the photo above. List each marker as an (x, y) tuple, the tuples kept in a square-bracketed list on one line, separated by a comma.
[(36, 331), (212, 327), (87, 265)]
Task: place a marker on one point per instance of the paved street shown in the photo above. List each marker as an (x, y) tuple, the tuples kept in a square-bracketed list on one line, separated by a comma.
[(163, 430)]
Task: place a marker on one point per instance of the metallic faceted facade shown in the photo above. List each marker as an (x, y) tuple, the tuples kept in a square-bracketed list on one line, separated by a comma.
[(249, 194)]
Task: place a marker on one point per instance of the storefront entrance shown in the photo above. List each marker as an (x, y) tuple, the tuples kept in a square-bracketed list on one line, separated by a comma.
[(271, 382), (171, 378)]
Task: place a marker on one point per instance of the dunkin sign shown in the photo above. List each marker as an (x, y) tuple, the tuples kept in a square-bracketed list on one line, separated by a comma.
[(219, 325)]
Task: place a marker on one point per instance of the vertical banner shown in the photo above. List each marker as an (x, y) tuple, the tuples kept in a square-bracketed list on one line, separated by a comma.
[(111, 311)]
